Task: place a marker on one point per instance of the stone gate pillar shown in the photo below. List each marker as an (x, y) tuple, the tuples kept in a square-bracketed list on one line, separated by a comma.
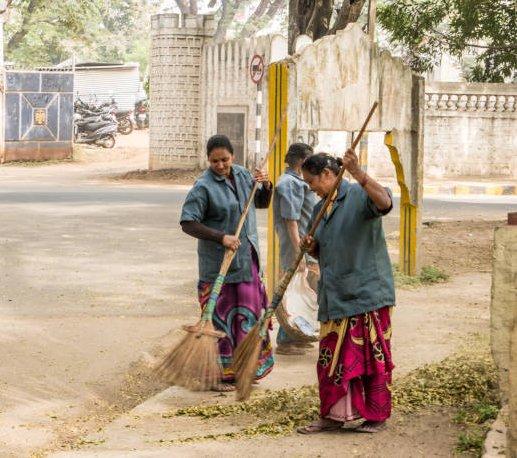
[(175, 82)]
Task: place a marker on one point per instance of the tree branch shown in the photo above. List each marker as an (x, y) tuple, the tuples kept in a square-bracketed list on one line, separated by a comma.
[(7, 5), (250, 26)]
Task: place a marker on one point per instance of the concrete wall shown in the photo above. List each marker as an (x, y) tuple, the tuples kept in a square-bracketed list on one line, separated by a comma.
[(335, 80), (175, 78), (512, 427), (227, 88), (503, 322), (469, 131), (38, 116), (504, 299)]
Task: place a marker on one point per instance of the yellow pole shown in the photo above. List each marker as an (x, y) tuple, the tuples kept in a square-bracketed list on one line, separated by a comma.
[(277, 102), (408, 215)]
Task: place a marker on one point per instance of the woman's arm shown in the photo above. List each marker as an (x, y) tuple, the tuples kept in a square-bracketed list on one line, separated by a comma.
[(200, 231), (375, 191), (265, 192)]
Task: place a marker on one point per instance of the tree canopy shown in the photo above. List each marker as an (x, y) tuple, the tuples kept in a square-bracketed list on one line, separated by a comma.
[(38, 32), (483, 31)]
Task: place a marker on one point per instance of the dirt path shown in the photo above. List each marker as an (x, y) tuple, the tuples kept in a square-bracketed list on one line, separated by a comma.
[(429, 324), (95, 274)]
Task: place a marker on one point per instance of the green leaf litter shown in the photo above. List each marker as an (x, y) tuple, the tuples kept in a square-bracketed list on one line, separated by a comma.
[(463, 379)]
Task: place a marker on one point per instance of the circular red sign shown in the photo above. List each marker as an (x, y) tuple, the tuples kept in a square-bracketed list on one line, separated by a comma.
[(256, 68)]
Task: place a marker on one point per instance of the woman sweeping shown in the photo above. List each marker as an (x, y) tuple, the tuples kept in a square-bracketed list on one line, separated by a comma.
[(211, 213), (355, 296)]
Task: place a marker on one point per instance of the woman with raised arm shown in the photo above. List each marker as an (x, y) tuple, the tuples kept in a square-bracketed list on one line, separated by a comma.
[(355, 297), (211, 214)]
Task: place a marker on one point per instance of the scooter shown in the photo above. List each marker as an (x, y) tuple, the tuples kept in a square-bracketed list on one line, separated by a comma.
[(97, 133)]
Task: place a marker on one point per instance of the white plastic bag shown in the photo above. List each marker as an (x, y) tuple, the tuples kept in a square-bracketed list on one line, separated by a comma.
[(300, 303)]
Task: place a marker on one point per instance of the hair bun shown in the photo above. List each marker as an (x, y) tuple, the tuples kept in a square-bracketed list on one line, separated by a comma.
[(339, 161)]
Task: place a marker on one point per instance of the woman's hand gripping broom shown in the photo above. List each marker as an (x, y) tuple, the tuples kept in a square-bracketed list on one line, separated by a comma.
[(194, 362), (246, 355)]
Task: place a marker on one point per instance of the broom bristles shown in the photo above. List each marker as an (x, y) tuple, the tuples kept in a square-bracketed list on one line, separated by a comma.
[(194, 362), (246, 362)]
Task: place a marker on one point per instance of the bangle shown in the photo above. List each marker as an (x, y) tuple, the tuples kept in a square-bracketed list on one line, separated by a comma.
[(364, 181)]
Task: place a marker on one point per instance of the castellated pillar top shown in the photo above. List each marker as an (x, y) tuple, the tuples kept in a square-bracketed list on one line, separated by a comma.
[(186, 24)]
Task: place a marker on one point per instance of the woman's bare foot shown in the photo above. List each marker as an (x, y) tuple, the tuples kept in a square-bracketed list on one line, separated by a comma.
[(371, 427), (223, 387), (320, 426)]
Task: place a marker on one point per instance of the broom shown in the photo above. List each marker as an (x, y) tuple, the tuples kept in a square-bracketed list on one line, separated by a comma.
[(194, 362), (246, 355)]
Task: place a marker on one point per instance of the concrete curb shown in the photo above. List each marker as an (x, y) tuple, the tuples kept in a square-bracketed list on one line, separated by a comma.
[(495, 442), (455, 189), (465, 190)]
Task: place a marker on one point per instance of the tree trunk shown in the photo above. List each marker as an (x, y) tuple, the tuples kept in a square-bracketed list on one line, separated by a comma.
[(183, 6), (313, 17), (229, 8), (193, 7), (349, 12)]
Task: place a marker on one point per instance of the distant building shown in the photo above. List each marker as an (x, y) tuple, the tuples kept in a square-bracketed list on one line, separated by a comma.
[(99, 82)]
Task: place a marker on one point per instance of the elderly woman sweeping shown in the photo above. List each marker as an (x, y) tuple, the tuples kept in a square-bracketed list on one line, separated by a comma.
[(211, 213), (355, 296)]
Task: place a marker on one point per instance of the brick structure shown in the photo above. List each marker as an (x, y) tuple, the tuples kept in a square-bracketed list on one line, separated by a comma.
[(176, 57)]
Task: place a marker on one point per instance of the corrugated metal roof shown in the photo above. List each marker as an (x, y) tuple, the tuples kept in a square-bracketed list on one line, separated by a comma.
[(100, 84)]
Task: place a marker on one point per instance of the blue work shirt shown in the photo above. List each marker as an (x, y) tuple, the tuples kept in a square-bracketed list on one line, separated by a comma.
[(293, 200), (356, 275), (214, 202)]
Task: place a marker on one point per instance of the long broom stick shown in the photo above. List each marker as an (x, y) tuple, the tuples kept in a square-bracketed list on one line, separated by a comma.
[(246, 356), (194, 362)]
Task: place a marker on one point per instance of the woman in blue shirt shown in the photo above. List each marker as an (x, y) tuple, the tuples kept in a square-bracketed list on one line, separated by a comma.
[(211, 213), (355, 296)]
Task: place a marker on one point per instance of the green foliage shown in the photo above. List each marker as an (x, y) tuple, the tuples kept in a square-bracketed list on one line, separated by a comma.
[(470, 442), (425, 29), (428, 276), (41, 33), (464, 380)]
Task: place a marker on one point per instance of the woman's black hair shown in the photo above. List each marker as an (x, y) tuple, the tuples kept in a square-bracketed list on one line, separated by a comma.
[(218, 141), (298, 152), (318, 162)]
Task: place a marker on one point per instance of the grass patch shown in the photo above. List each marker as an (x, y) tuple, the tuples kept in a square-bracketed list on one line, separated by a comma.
[(471, 443), (428, 276), (466, 380)]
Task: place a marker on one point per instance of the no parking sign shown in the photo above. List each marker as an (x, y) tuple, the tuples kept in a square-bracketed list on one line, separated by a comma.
[(256, 68)]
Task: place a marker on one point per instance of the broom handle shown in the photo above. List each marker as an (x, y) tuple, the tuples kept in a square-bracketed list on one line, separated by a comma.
[(230, 254), (286, 278)]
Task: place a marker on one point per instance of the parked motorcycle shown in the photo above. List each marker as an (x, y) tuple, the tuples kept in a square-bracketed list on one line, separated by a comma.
[(101, 134), (94, 126), (125, 126), (122, 117), (142, 114)]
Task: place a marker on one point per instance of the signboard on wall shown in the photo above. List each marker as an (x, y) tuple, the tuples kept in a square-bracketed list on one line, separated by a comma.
[(233, 125)]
